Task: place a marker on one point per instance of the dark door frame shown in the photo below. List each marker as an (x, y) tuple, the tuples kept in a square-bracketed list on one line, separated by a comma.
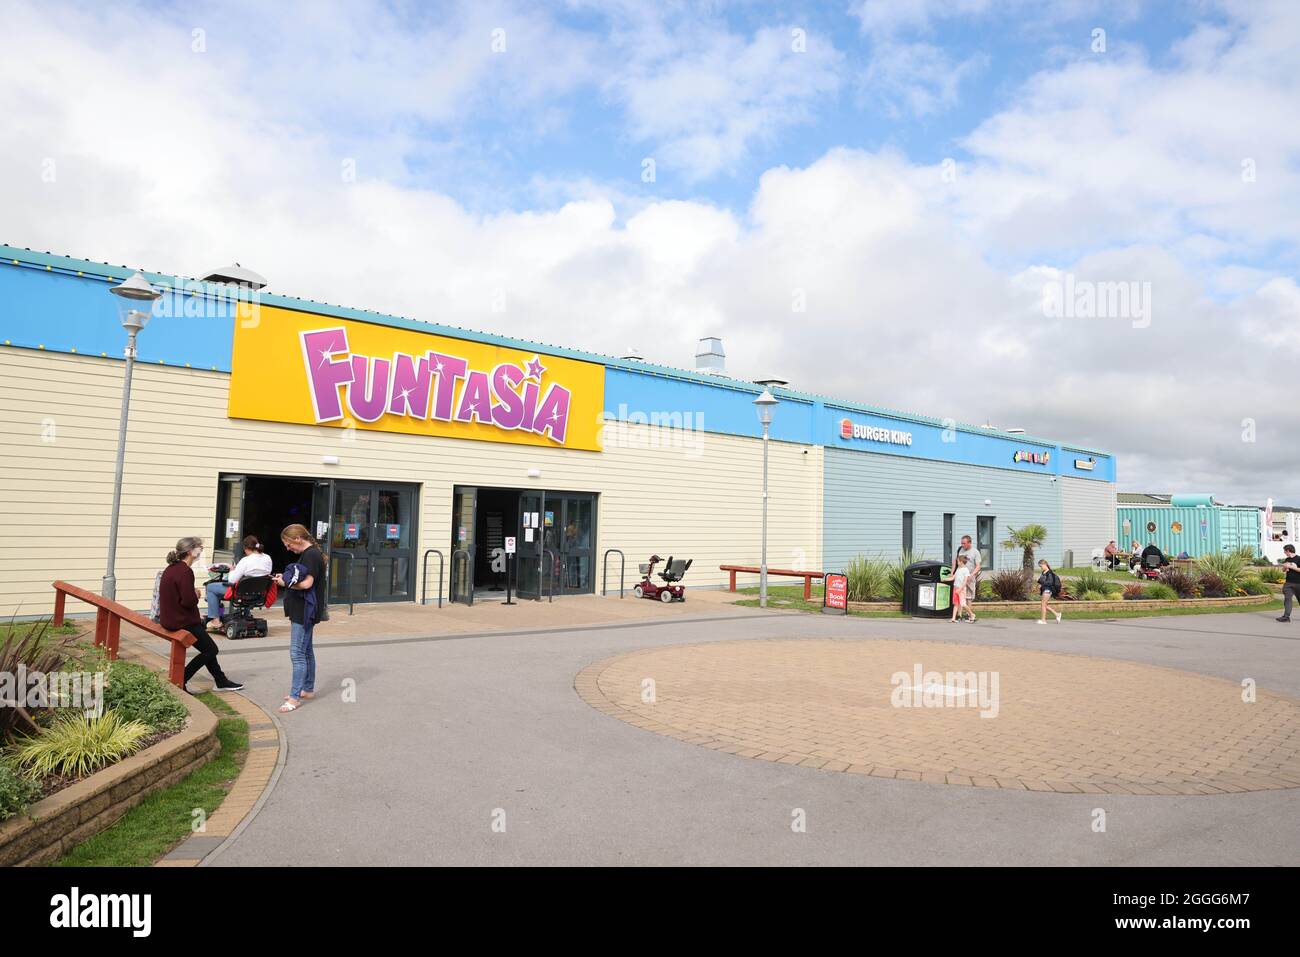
[(535, 551), (372, 552)]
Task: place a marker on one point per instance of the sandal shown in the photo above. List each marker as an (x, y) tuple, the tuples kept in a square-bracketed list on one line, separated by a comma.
[(289, 705), (307, 695)]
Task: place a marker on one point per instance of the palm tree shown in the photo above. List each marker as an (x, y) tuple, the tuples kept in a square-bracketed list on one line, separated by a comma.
[(1027, 539)]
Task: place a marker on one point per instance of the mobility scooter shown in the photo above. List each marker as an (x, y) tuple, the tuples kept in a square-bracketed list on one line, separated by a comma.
[(250, 593), (673, 572)]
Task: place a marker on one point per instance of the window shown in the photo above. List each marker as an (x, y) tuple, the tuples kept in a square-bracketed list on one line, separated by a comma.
[(948, 518), (909, 519), (984, 541)]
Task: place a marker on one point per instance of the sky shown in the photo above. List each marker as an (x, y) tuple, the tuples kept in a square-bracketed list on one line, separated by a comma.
[(1078, 218)]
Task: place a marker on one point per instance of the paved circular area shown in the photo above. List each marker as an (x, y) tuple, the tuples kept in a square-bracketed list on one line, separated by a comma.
[(957, 714)]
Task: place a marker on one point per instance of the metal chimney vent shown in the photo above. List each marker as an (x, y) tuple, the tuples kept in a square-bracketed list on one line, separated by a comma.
[(710, 356), (236, 275)]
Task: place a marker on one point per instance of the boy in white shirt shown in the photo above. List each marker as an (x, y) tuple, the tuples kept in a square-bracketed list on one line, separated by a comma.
[(960, 578)]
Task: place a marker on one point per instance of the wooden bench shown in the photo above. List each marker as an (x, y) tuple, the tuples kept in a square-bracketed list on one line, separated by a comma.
[(787, 572), (109, 616)]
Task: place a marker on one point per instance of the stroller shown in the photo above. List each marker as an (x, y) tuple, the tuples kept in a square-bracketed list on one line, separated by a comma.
[(673, 571), (251, 592)]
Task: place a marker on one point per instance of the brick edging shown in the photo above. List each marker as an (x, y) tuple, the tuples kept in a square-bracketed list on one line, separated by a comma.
[(257, 778), (55, 824), (1117, 604)]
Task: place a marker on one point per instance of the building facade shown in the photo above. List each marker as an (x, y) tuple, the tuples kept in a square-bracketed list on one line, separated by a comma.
[(1192, 525), (389, 437)]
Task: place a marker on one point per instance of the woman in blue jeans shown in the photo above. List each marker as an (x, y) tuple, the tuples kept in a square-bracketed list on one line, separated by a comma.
[(304, 605)]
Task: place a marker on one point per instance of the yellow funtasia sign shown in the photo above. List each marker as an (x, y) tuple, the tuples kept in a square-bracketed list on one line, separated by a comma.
[(291, 366)]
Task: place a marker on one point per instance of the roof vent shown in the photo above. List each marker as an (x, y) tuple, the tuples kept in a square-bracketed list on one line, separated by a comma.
[(236, 275), (710, 357), (772, 383), (633, 355)]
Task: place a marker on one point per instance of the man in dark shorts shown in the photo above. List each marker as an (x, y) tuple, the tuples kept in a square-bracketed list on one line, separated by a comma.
[(1291, 587)]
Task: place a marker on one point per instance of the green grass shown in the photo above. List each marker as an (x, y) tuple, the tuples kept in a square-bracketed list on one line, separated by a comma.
[(22, 627), (159, 822)]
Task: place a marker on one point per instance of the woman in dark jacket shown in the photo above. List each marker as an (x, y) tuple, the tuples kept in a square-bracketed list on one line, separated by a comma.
[(178, 610)]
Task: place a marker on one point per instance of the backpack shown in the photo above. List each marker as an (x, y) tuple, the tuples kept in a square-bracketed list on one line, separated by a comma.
[(155, 606), (1054, 584)]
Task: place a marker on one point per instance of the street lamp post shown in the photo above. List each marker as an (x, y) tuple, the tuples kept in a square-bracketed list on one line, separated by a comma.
[(135, 297), (764, 405)]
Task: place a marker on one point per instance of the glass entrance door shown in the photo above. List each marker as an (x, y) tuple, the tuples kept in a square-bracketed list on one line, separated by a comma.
[(576, 533), (462, 551), (528, 544), (372, 538)]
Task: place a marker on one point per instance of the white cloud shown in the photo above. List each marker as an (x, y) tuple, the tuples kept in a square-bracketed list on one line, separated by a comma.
[(703, 103), (911, 303)]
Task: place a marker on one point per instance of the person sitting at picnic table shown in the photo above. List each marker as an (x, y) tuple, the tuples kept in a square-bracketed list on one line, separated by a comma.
[(1112, 554), (1134, 553)]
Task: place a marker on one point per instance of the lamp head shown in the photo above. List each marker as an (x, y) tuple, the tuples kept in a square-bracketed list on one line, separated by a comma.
[(134, 298), (764, 406)]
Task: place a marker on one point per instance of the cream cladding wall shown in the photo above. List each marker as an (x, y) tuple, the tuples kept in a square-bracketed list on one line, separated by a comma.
[(695, 495)]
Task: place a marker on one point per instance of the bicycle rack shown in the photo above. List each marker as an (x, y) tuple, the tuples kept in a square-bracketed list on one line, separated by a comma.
[(424, 576), (469, 569), (351, 558), (604, 570), (550, 576)]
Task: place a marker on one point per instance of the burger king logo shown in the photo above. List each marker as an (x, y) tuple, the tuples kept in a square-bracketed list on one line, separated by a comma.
[(859, 430)]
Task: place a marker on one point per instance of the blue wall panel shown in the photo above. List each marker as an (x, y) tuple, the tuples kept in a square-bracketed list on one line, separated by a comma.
[(721, 408), (67, 313), (865, 497)]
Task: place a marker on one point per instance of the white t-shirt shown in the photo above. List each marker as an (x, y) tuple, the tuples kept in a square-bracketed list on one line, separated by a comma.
[(960, 577), (254, 565)]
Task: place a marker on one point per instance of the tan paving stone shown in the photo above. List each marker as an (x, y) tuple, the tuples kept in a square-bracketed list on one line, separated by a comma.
[(1069, 724)]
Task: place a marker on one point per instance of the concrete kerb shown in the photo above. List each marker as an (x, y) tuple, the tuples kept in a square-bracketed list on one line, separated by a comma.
[(280, 760)]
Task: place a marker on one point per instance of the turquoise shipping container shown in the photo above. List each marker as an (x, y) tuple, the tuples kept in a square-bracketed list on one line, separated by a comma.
[(1196, 531)]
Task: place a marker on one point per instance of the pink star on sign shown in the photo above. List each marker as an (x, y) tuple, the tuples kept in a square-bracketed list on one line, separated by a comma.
[(535, 368)]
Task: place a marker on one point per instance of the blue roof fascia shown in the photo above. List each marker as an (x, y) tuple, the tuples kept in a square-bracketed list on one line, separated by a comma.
[(108, 272)]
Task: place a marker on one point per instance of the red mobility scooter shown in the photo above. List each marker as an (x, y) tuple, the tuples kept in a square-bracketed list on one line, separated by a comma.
[(673, 572)]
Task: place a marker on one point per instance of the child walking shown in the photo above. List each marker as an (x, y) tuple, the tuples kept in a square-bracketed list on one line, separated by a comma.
[(960, 578), (1049, 586)]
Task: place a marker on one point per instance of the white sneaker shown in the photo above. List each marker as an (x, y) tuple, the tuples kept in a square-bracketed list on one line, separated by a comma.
[(1042, 621)]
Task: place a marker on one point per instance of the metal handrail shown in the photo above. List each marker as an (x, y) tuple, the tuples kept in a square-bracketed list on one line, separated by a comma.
[(424, 576), (550, 576), (468, 552), (351, 559), (604, 570)]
